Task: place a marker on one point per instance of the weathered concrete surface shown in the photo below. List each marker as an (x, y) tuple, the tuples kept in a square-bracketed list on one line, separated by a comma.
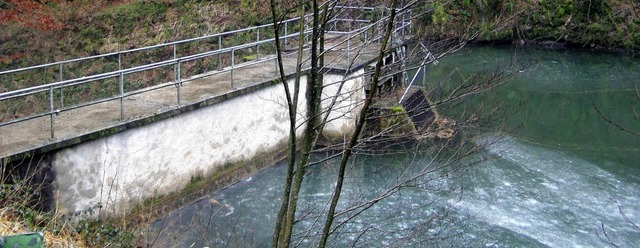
[(122, 169)]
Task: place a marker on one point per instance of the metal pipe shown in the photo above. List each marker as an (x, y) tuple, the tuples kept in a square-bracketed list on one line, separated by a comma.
[(306, 27), (365, 36), (276, 63), (175, 69), (335, 24), (51, 112), (405, 79), (423, 66), (402, 30), (285, 33), (258, 44), (178, 83), (2, 124), (121, 88), (220, 54), (349, 44), (142, 48), (410, 22), (233, 59), (60, 80), (409, 86)]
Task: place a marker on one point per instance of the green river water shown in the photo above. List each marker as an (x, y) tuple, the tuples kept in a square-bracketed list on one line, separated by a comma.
[(559, 174)]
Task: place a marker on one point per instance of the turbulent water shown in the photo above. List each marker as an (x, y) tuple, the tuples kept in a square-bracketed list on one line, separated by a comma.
[(559, 174)]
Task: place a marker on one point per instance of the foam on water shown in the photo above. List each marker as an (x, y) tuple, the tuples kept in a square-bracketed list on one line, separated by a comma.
[(553, 197)]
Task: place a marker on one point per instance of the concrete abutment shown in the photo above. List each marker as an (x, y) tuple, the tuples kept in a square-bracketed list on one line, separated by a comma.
[(120, 170)]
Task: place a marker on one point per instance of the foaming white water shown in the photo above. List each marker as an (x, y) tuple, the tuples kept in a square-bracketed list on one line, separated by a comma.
[(553, 197)]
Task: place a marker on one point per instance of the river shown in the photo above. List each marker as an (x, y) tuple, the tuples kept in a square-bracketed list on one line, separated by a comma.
[(560, 175)]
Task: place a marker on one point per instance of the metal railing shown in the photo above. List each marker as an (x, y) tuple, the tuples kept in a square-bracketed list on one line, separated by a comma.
[(367, 31)]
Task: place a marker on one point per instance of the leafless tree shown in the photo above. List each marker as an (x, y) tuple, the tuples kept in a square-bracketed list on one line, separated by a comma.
[(447, 152)]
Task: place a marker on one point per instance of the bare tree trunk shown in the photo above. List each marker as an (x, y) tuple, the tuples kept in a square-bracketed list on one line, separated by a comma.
[(292, 104), (313, 95), (286, 215), (359, 125)]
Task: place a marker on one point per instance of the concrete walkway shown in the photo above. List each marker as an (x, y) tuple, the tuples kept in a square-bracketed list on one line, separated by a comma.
[(100, 120)]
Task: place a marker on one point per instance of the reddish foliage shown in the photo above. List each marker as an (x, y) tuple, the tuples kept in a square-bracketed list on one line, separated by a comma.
[(10, 58), (34, 14), (17, 56)]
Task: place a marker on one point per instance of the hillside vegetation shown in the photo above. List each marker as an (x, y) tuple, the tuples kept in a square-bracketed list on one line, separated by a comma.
[(599, 24), (38, 32), (59, 30), (53, 30)]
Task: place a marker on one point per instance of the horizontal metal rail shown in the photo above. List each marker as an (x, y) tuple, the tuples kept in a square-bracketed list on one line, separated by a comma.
[(75, 81), (169, 43), (145, 48)]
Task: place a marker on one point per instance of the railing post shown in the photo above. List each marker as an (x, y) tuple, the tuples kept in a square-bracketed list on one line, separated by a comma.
[(51, 112), (410, 23), (258, 45), (335, 24), (349, 45), (220, 54), (121, 88), (233, 61), (392, 38), (175, 68), (60, 79), (178, 82), (380, 32), (276, 63), (365, 36), (405, 79), (285, 33), (380, 27), (306, 23), (402, 27)]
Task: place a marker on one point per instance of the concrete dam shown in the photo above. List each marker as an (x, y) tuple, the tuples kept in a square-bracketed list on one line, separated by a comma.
[(119, 150)]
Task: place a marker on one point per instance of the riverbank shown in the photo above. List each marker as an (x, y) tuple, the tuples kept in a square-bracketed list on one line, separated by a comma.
[(611, 26)]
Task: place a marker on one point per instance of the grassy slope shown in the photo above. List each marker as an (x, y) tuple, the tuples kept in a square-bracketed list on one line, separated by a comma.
[(101, 26)]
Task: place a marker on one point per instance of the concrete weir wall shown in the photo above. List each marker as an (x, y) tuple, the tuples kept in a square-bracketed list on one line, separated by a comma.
[(125, 168)]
